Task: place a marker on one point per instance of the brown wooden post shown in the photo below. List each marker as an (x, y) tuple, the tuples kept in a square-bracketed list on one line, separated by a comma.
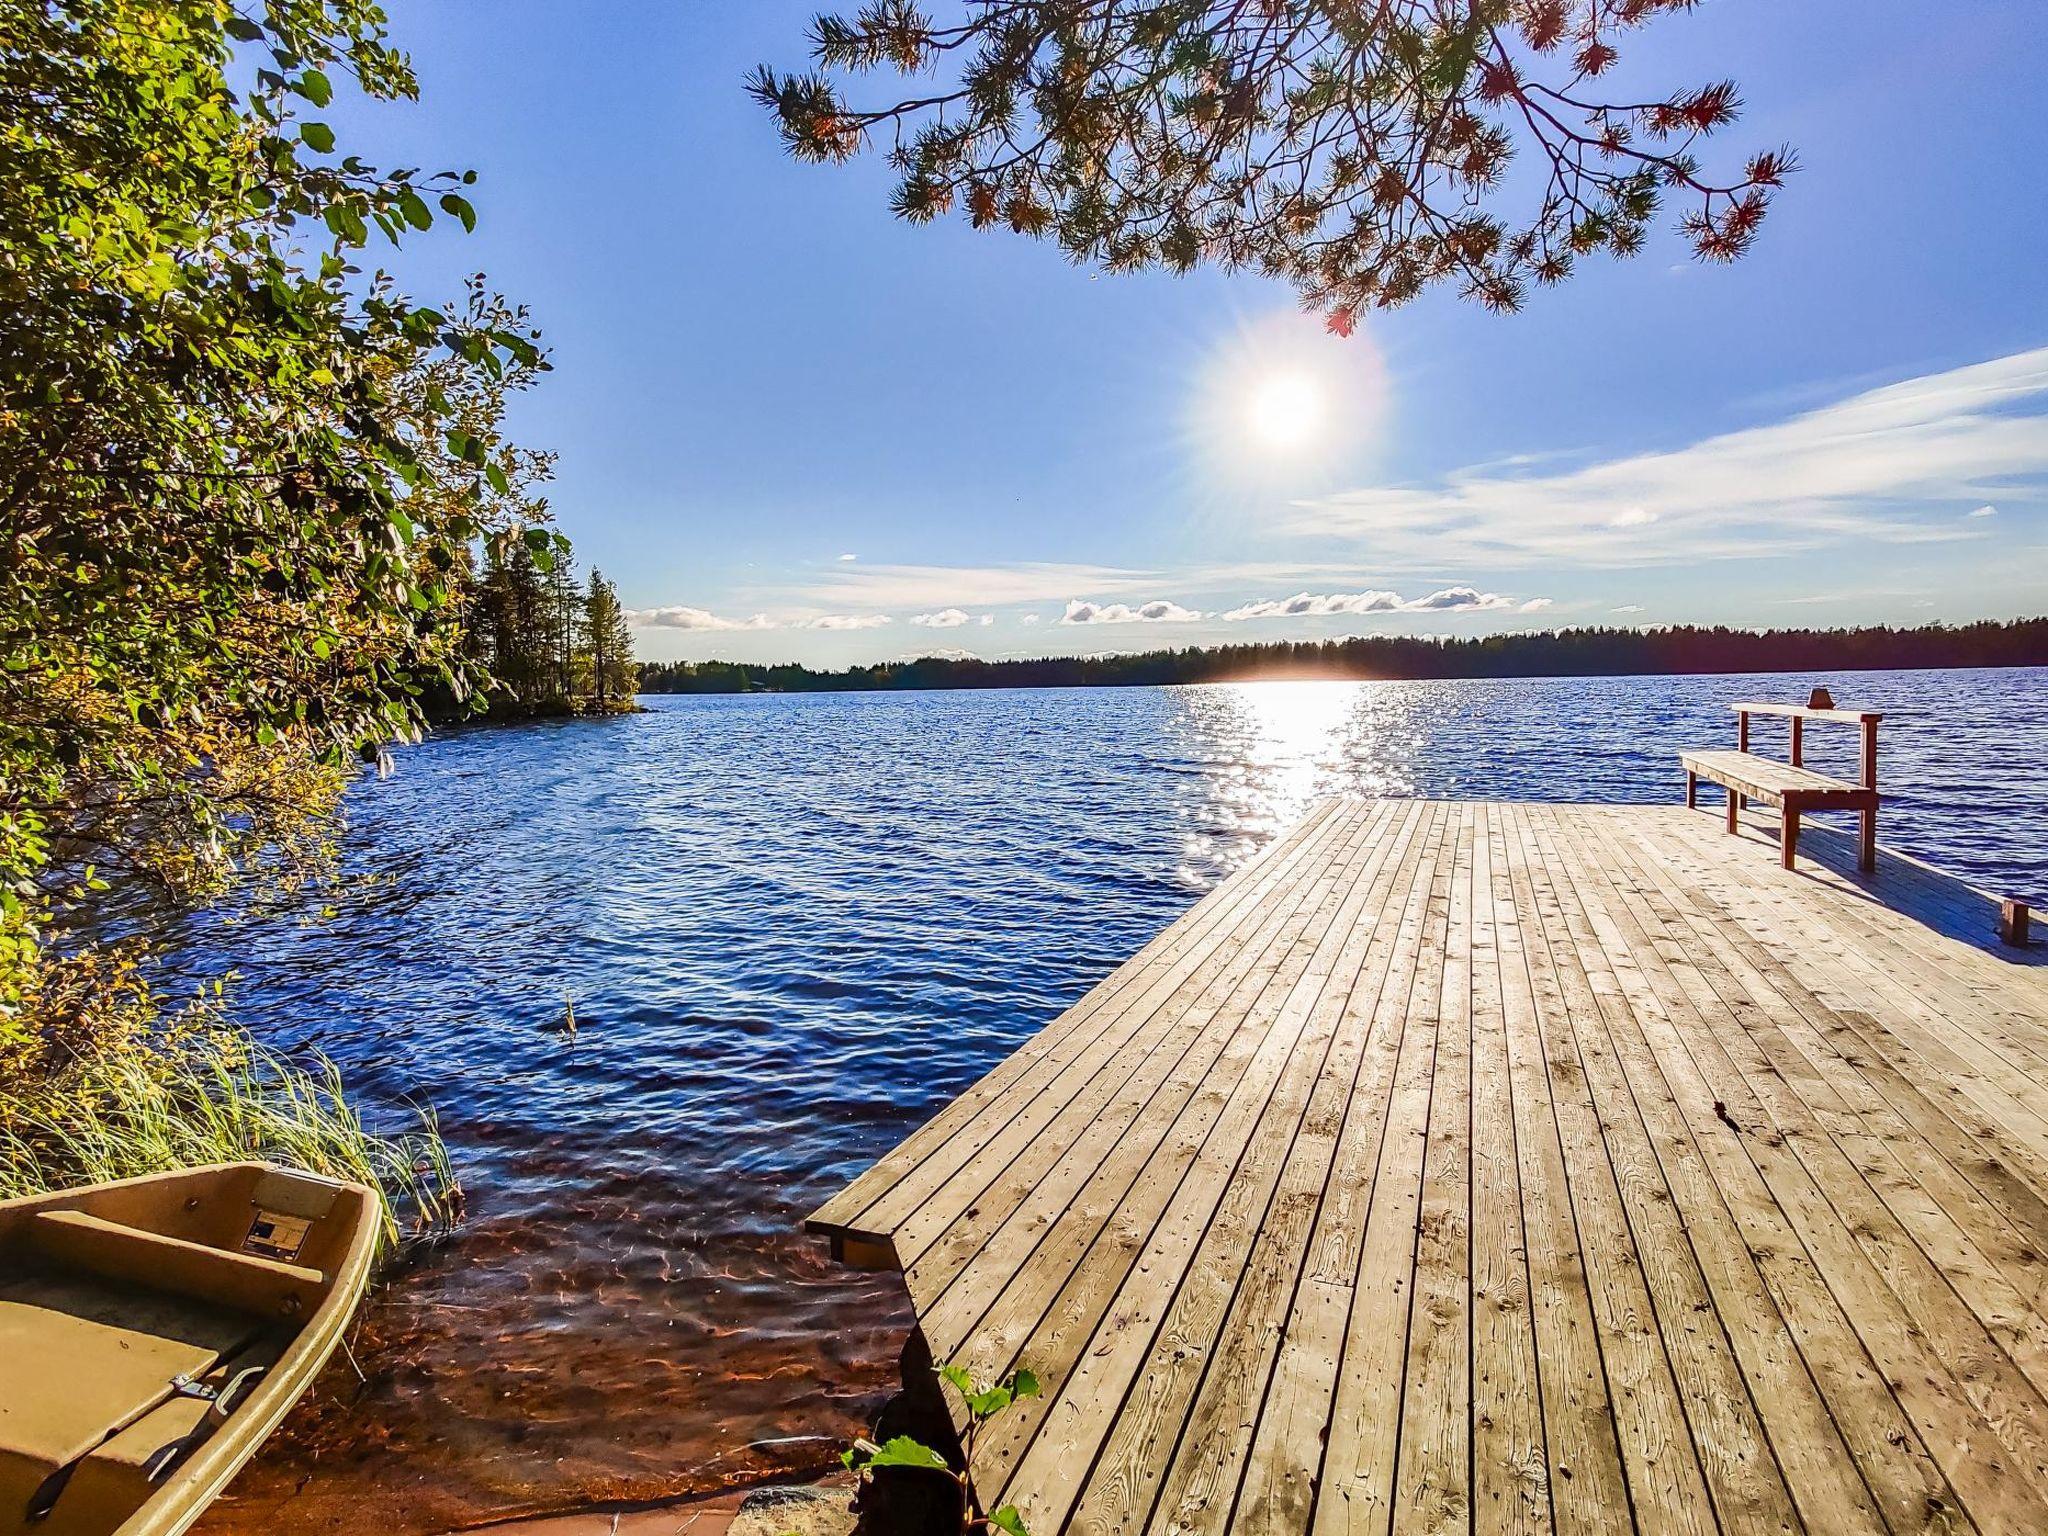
[(1741, 745), (1692, 790), (2012, 921), (1798, 742), (1866, 841), (1788, 832)]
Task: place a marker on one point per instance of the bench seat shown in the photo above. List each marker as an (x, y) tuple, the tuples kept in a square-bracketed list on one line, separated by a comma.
[(1790, 787), (1762, 778)]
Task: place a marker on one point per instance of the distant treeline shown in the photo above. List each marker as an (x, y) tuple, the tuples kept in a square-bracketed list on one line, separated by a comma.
[(1563, 653)]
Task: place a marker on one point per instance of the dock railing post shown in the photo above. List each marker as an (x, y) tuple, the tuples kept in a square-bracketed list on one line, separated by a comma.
[(1866, 842), (2012, 921)]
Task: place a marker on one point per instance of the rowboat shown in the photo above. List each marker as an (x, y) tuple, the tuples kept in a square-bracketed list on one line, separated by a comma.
[(154, 1330)]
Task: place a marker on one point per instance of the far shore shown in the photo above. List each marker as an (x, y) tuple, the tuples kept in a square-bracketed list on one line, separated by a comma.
[(1676, 651)]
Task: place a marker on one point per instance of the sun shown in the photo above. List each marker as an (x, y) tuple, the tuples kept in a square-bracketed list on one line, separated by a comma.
[(1284, 411)]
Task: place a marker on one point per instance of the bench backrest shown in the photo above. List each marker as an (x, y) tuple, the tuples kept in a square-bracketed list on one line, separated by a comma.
[(1799, 714)]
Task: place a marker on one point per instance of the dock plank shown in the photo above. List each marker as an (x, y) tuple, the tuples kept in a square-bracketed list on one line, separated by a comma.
[(1467, 1166)]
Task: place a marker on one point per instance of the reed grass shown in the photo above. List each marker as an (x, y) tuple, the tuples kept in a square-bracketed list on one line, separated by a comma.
[(218, 1096)]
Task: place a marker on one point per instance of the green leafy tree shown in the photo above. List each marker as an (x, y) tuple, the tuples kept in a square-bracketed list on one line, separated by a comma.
[(608, 639), (1362, 149), (241, 477)]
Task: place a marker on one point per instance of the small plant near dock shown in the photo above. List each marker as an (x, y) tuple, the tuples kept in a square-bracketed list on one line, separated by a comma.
[(865, 1458)]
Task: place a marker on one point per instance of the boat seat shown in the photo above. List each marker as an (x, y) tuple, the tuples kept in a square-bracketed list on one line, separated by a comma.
[(116, 1477), (249, 1282), (87, 1355)]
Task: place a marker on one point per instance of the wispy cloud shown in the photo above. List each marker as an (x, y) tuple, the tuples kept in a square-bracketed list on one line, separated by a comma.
[(1985, 512), (1159, 611), (945, 618), (681, 617), (1893, 464), (849, 557), (1627, 608), (931, 587), (843, 621)]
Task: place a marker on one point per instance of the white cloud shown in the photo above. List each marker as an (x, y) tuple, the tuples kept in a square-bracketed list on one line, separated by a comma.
[(1985, 512), (945, 618), (986, 619), (1159, 611), (1320, 605), (940, 653), (1457, 600), (1029, 618), (843, 621), (1893, 464), (1536, 604), (1628, 608), (1315, 606), (680, 617), (849, 557)]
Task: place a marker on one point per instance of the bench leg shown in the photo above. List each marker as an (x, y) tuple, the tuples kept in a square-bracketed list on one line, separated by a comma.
[(1734, 809), (1692, 791), (1788, 836), (1866, 843)]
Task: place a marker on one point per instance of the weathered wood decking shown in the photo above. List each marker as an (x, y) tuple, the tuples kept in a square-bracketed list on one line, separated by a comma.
[(1512, 1168)]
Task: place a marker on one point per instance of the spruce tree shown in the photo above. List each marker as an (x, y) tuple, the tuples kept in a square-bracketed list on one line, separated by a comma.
[(609, 638), (564, 600)]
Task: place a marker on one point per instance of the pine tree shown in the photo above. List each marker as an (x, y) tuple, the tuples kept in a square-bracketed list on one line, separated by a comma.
[(609, 638), (1361, 151)]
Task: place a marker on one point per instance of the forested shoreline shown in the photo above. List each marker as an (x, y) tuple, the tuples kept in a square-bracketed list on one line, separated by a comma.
[(1590, 652)]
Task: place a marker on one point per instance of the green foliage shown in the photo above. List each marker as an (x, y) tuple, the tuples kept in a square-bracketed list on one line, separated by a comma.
[(1360, 151), (241, 477), (899, 1452), (982, 1404), (120, 1091)]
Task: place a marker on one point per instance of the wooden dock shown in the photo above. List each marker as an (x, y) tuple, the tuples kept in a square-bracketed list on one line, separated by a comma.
[(1475, 1166)]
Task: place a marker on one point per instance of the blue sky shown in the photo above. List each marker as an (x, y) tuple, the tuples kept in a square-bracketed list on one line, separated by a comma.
[(759, 372)]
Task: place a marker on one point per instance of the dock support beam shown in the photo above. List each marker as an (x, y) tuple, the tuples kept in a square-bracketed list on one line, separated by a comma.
[(2013, 921)]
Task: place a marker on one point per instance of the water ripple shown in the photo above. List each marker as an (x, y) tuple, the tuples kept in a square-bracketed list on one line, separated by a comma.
[(792, 927)]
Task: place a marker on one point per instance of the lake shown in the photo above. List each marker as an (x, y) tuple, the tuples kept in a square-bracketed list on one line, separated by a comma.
[(794, 925)]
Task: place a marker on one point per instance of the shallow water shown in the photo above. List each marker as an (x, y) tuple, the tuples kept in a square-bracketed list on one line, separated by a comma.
[(792, 927)]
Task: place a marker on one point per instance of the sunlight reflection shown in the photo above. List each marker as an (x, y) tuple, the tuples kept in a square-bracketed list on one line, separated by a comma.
[(1269, 750)]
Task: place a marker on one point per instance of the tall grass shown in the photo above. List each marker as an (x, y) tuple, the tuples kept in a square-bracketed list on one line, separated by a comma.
[(217, 1096)]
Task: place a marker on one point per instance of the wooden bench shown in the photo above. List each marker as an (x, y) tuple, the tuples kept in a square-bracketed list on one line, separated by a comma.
[(1792, 787)]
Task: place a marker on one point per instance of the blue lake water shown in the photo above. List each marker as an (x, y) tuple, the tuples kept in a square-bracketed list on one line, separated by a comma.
[(791, 927)]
